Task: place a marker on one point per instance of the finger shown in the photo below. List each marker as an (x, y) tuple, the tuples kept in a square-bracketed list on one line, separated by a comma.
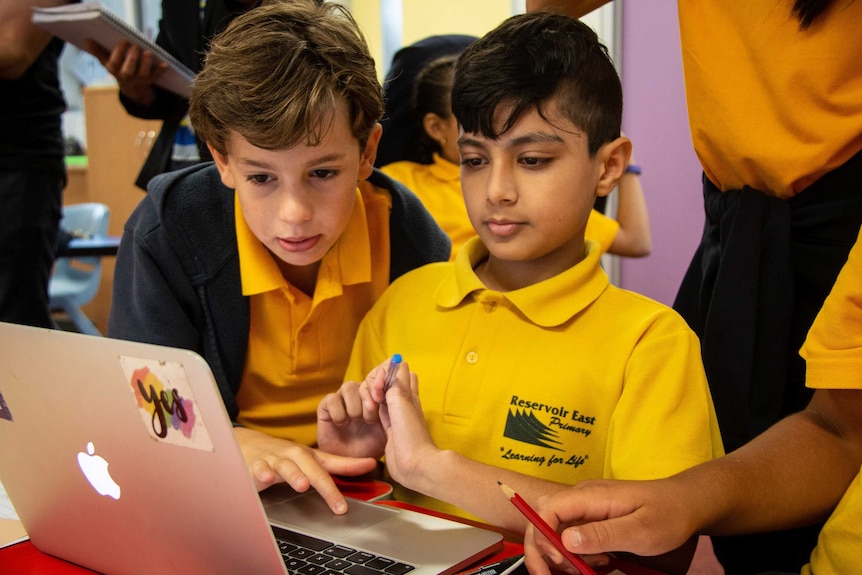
[(540, 546), (117, 58), (554, 557), (376, 381), (292, 474), (385, 419), (403, 409), (358, 403), (544, 548), (101, 53), (145, 64), (596, 559), (131, 62), (534, 557), (596, 537), (321, 479), (414, 385), (351, 400), (325, 486), (347, 466), (403, 382), (331, 408), (370, 406), (159, 68), (544, 553), (301, 480), (263, 475)]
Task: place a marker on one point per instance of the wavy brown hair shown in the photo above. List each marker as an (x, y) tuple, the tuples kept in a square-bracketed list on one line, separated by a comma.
[(276, 74)]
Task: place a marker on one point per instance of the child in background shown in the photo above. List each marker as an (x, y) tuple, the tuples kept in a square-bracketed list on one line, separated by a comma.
[(395, 144), (436, 177), (265, 262), (535, 370)]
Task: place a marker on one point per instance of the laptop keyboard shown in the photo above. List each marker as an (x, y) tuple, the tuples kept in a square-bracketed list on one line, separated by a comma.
[(306, 555)]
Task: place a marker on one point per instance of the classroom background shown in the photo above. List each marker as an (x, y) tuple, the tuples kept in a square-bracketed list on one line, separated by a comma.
[(643, 38)]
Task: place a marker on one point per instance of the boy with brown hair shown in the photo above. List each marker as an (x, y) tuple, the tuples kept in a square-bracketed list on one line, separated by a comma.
[(266, 261)]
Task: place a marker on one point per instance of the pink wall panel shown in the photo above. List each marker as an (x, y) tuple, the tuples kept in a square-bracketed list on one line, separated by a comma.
[(656, 120)]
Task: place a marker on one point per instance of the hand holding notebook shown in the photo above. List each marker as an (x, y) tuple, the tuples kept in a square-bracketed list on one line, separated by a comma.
[(76, 23)]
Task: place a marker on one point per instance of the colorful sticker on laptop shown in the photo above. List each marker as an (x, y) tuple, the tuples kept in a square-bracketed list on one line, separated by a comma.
[(166, 403), (4, 409)]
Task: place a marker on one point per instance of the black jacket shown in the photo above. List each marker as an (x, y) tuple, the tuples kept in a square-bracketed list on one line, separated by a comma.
[(184, 35)]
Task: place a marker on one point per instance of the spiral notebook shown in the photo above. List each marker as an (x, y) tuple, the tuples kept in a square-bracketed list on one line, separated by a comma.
[(75, 23)]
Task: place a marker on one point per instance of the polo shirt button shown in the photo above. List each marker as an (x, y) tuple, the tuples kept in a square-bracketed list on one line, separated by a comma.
[(472, 357), (306, 328), (490, 306)]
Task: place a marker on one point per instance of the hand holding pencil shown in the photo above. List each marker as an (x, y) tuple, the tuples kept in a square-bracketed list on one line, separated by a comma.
[(545, 529)]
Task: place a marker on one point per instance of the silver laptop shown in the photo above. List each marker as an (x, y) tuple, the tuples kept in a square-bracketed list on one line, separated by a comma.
[(119, 456)]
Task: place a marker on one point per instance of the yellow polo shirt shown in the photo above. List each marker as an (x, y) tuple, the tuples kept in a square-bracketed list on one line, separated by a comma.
[(299, 346), (568, 379), (833, 360), (601, 229), (773, 119), (438, 185)]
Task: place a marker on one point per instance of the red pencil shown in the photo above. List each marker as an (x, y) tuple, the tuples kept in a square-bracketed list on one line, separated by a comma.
[(545, 529)]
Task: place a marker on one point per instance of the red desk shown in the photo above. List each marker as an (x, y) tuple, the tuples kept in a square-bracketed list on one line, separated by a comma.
[(24, 559)]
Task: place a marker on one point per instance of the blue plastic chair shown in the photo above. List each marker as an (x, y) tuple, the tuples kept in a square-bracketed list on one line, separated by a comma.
[(75, 280)]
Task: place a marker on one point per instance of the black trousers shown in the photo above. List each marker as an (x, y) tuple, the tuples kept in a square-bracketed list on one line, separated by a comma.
[(31, 207), (755, 284)]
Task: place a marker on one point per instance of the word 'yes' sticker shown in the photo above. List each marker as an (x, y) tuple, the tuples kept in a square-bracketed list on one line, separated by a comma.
[(166, 403)]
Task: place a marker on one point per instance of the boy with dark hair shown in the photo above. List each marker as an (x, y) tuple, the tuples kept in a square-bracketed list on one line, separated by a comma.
[(436, 178), (536, 371), (266, 262)]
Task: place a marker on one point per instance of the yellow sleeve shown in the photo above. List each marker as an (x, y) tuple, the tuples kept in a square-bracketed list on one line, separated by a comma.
[(833, 349), (601, 229), (664, 421)]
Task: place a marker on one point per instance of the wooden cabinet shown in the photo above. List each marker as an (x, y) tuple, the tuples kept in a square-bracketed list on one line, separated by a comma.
[(77, 191), (117, 145)]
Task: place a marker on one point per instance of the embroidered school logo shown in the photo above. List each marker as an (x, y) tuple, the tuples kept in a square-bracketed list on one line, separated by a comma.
[(526, 427), (523, 423), (165, 402), (546, 426)]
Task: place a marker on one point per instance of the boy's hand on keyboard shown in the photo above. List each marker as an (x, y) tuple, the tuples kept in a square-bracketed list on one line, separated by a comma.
[(273, 460)]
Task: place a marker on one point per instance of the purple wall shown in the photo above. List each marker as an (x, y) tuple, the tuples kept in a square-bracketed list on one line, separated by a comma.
[(656, 120)]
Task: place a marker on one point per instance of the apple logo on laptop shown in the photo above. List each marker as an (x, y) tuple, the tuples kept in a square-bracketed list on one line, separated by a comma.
[(95, 469)]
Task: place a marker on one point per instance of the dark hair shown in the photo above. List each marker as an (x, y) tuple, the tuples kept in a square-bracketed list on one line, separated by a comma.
[(277, 73), (530, 59), (432, 93), (807, 11), (396, 143)]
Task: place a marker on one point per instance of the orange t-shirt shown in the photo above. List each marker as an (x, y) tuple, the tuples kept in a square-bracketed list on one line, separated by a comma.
[(770, 105)]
